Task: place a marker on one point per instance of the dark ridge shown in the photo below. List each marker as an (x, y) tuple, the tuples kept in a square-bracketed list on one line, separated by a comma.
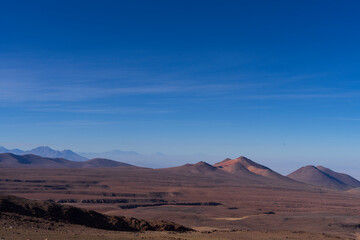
[(269, 212), (65, 201), (60, 213), (132, 206), (112, 201)]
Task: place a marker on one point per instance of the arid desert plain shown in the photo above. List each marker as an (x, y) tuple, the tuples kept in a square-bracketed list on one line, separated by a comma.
[(234, 199)]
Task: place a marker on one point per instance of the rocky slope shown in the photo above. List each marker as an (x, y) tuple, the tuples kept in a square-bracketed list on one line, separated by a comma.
[(72, 215)]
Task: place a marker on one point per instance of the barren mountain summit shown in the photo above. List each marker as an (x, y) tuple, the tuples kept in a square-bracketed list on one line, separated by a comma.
[(243, 165), (197, 168), (315, 176)]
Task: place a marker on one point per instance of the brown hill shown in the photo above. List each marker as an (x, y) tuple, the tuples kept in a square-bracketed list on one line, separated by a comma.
[(202, 168), (314, 176), (230, 172), (347, 179), (245, 166), (72, 215), (205, 173), (9, 160), (102, 162)]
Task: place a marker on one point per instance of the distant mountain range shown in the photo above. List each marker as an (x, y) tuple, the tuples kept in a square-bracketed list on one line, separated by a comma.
[(9, 160), (250, 172), (152, 160), (241, 167), (48, 152)]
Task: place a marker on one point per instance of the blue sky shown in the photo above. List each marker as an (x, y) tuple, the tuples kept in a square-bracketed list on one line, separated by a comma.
[(277, 81)]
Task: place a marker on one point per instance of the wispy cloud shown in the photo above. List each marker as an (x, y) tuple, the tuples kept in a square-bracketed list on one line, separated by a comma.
[(348, 119), (21, 86), (19, 92), (97, 109), (304, 95), (72, 123), (42, 92)]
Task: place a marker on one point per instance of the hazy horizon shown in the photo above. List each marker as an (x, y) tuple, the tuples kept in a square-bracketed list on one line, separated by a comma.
[(161, 160)]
